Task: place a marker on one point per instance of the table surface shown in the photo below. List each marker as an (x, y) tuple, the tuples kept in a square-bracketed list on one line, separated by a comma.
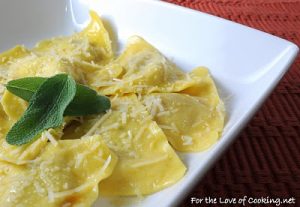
[(265, 159)]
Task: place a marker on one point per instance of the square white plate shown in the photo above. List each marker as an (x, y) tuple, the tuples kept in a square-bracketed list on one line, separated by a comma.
[(245, 63)]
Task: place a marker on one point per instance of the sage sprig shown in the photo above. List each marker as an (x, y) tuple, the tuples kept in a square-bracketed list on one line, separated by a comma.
[(25, 87), (46, 108), (49, 100), (85, 102)]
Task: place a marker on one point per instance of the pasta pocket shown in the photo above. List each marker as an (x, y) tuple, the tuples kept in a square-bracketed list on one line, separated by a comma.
[(193, 119), (77, 55), (145, 70), (77, 122), (66, 174), (147, 163), (189, 123), (11, 109)]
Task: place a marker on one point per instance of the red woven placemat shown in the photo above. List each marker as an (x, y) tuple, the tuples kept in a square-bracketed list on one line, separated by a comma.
[(265, 158)]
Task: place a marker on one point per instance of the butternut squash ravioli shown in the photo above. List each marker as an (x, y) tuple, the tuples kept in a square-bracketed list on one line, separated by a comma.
[(157, 109)]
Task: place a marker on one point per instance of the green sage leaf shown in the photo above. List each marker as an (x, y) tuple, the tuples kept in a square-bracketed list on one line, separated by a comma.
[(45, 110), (25, 87), (85, 102)]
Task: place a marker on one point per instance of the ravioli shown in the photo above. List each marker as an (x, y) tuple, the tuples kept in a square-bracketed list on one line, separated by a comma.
[(107, 75), (189, 123), (18, 51), (147, 163), (6, 58), (193, 119), (66, 174), (99, 37), (145, 70), (126, 151), (12, 108), (203, 87), (90, 45), (4, 126), (75, 55)]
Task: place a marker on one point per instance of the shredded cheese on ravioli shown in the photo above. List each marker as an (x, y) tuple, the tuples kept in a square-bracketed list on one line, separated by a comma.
[(130, 150)]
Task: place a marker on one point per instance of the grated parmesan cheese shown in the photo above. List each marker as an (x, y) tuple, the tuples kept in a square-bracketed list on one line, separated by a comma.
[(98, 123), (154, 104), (142, 163), (38, 188), (153, 111), (166, 127), (159, 104), (114, 98), (174, 110), (112, 126), (129, 134), (136, 112), (66, 186), (110, 72), (50, 195), (140, 132), (50, 137), (67, 205), (187, 140), (174, 127), (61, 194), (124, 117), (117, 80), (139, 96), (197, 123), (169, 127), (18, 162), (164, 113), (79, 159), (104, 83), (220, 108)]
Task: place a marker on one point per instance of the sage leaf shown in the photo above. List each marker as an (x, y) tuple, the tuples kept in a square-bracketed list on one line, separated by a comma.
[(85, 102), (25, 87), (45, 110)]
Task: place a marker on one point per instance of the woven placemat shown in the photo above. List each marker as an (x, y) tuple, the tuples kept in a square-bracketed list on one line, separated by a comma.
[(264, 161)]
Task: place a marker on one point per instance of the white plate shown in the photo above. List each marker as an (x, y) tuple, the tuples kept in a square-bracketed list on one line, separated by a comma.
[(245, 63)]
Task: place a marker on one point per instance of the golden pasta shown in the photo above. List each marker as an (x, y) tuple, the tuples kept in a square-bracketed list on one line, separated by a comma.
[(156, 108)]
